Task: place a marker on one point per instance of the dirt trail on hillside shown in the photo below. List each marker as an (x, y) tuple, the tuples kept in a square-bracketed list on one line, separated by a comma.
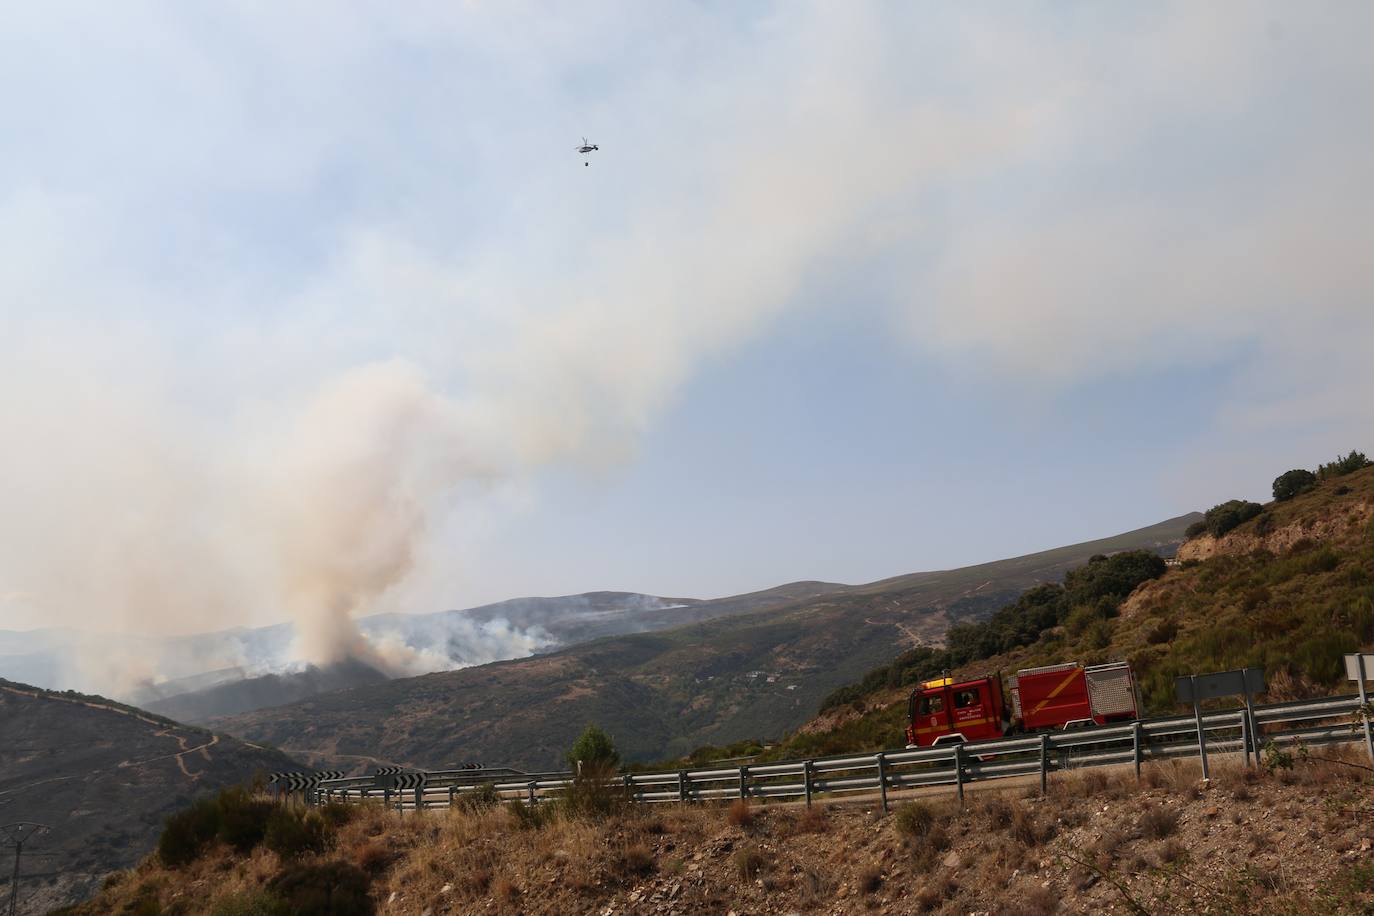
[(164, 731)]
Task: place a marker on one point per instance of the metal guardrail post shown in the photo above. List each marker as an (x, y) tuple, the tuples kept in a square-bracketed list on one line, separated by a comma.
[(629, 785), (531, 788), (743, 782), (806, 780), (882, 779), (1044, 764), (681, 786), (386, 798), (1245, 736), (1136, 753), (959, 770), (419, 797)]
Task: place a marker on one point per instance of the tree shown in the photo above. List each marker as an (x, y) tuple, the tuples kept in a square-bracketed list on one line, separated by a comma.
[(1223, 517), (1342, 466), (593, 748), (1291, 483)]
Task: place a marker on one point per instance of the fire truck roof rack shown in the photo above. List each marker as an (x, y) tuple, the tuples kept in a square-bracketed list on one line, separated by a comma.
[(1046, 669)]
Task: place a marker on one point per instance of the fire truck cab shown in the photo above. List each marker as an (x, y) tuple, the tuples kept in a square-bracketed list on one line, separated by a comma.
[(944, 712)]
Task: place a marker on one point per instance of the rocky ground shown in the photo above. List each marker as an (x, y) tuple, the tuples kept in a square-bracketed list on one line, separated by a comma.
[(1288, 841)]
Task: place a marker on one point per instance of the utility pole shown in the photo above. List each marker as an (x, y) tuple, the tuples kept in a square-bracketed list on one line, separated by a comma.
[(16, 835)]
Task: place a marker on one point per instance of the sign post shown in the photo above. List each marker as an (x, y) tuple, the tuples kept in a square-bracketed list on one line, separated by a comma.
[(1198, 687), (1360, 668), (1201, 732)]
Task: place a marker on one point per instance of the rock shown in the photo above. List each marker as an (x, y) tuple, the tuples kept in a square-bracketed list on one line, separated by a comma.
[(392, 899), (446, 889), (952, 860), (1212, 811)]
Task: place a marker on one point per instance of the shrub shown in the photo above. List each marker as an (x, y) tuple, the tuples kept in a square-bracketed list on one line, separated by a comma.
[(593, 748), (1343, 465), (530, 817), (594, 794), (1158, 822), (292, 834), (1098, 635), (871, 880), (1195, 529), (185, 833), (372, 858), (635, 861), (1223, 517), (748, 862), (481, 798), (329, 889), (1291, 483), (242, 818), (1171, 851), (1162, 632), (337, 814), (914, 819), (1029, 830)]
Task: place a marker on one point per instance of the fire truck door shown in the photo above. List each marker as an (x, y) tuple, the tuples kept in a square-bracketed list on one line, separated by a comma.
[(932, 715), (970, 707)]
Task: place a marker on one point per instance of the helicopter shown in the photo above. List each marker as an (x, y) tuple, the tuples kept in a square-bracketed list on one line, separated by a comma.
[(587, 148)]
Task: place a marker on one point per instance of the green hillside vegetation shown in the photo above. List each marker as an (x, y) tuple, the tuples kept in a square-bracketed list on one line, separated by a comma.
[(1294, 612)]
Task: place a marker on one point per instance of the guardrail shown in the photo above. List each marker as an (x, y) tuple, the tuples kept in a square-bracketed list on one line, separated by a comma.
[(1224, 731)]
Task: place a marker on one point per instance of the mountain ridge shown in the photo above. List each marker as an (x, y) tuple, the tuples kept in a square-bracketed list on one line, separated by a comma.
[(726, 677)]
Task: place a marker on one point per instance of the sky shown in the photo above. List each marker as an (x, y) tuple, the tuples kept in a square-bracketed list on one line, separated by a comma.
[(309, 310)]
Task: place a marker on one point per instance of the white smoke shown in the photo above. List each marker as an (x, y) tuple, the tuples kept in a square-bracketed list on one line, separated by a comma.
[(204, 427)]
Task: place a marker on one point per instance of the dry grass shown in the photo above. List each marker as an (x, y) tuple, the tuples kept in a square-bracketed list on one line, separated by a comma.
[(811, 820), (871, 880), (1028, 829), (741, 813)]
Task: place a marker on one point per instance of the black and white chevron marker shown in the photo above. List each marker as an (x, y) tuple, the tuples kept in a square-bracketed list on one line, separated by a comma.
[(330, 774), (388, 771), (410, 780)]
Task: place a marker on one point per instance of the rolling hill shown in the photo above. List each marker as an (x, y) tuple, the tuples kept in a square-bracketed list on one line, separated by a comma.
[(102, 776), (760, 668)]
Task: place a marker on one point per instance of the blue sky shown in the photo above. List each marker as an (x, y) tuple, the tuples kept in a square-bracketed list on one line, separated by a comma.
[(312, 310)]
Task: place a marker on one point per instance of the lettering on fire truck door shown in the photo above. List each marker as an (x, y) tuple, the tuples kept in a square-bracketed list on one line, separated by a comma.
[(968, 707)]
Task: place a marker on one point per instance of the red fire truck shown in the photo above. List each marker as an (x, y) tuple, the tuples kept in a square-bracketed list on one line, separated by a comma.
[(943, 711)]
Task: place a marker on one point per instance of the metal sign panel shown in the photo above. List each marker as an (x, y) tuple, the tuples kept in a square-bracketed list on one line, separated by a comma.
[(1352, 667), (1219, 684)]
